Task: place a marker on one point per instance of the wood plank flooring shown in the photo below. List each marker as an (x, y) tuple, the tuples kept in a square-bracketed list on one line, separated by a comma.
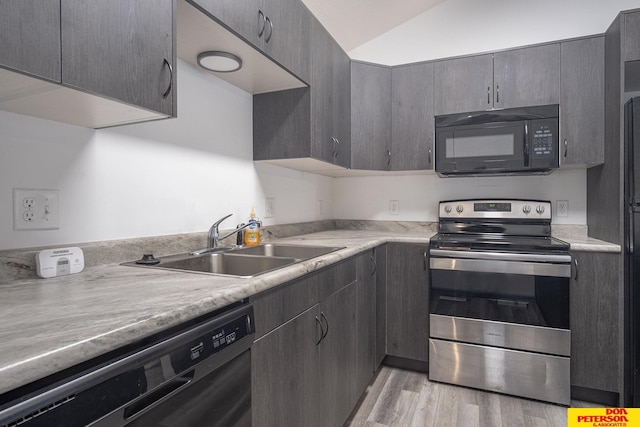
[(401, 398)]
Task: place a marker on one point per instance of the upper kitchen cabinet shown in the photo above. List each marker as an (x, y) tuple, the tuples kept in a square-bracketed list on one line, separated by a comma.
[(528, 76), (308, 128), (463, 84), (412, 117), (370, 116), (122, 50), (631, 36), (392, 117), (30, 37), (582, 101), (330, 98), (512, 78), (108, 63), (280, 28)]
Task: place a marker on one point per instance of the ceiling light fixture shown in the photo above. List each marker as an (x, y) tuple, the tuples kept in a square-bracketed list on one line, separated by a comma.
[(220, 62)]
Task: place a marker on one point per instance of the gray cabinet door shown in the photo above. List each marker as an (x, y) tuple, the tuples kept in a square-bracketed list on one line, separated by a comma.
[(632, 36), (463, 84), (287, 36), (323, 100), (528, 76), (594, 321), (341, 111), (366, 318), (337, 391), (381, 304), (121, 50), (408, 301), (370, 116), (412, 127), (284, 374), (582, 101), (30, 37)]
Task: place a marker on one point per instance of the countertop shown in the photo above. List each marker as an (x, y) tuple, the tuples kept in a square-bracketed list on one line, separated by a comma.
[(49, 325)]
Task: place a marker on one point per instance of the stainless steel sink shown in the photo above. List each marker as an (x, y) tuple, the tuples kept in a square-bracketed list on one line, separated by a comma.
[(244, 262), (301, 252), (220, 264)]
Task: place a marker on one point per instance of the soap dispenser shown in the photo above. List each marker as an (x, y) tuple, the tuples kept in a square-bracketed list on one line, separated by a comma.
[(252, 233)]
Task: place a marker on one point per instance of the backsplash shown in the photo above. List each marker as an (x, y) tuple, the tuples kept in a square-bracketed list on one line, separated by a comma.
[(20, 263)]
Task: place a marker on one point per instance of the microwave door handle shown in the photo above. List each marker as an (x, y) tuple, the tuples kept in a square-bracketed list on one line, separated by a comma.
[(525, 147)]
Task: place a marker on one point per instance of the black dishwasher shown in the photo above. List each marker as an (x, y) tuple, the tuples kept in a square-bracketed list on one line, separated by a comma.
[(200, 376)]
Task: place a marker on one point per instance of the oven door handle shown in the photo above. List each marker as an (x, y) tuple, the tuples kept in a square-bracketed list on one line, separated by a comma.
[(504, 267), (501, 256)]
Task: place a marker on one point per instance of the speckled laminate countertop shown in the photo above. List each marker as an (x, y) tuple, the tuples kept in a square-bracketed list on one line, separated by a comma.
[(49, 325)]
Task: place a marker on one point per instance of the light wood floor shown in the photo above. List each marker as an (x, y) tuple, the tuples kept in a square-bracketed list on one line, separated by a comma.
[(404, 398)]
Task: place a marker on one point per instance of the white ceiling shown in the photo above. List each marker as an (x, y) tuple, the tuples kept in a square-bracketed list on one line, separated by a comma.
[(355, 22)]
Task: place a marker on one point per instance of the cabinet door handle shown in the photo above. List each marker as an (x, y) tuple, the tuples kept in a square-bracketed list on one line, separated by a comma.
[(424, 261), (388, 157), (166, 92), (262, 21), (318, 322), (337, 147), (334, 151), (497, 94), (575, 263), (374, 265), (525, 146), (566, 147), (267, 38), (430, 154), (327, 322), (488, 94)]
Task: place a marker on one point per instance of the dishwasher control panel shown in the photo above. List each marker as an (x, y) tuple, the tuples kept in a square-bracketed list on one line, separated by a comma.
[(212, 342)]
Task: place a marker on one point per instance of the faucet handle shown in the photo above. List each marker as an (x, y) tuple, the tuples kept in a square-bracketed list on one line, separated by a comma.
[(217, 223)]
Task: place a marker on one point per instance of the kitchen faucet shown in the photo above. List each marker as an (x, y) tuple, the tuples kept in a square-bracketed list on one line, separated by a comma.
[(214, 235)]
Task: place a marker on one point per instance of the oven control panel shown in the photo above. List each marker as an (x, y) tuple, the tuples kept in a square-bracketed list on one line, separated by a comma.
[(487, 208)]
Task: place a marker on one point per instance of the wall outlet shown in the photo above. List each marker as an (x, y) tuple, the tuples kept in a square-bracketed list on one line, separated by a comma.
[(394, 207), (35, 209), (269, 207), (562, 208)]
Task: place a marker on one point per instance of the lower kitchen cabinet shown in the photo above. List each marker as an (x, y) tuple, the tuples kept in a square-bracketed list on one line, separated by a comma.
[(284, 371), (304, 370), (337, 393), (594, 321), (408, 301), (381, 305), (366, 317)]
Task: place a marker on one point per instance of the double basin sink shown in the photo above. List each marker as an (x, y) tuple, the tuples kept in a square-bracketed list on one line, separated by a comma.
[(241, 262)]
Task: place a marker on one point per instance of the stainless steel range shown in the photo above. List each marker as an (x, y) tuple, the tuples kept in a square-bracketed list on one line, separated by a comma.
[(499, 304)]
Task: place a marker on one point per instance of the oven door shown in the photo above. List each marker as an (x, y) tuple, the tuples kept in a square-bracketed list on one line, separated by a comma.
[(484, 148), (510, 300)]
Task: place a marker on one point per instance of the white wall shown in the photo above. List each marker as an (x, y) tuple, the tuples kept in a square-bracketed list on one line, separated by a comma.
[(165, 177), (418, 195), (461, 27)]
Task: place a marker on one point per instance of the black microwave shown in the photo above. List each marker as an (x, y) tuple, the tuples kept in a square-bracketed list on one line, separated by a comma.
[(507, 141)]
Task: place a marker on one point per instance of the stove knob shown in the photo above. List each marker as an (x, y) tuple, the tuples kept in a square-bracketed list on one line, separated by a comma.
[(526, 209), (447, 208), (540, 209), (459, 208)]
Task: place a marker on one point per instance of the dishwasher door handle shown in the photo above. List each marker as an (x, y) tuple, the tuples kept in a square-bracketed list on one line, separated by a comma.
[(158, 396)]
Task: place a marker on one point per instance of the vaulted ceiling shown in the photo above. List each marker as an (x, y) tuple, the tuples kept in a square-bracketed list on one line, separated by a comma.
[(355, 22)]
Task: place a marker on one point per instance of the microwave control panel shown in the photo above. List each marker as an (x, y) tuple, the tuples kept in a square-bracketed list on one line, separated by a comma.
[(544, 143)]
